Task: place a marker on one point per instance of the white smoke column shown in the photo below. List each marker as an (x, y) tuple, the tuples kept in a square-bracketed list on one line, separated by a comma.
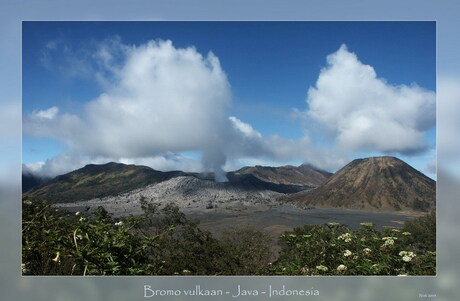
[(214, 159)]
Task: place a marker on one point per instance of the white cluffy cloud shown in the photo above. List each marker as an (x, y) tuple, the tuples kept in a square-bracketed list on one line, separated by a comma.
[(161, 99), (51, 113), (364, 112)]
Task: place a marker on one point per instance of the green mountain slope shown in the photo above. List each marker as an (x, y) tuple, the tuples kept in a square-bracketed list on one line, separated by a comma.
[(96, 181)]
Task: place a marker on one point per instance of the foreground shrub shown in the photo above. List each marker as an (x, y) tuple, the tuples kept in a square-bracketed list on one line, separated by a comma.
[(57, 243), (245, 250), (159, 242), (334, 249), (163, 241), (423, 233)]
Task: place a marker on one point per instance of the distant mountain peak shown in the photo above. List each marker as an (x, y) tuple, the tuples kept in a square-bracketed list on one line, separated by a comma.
[(288, 174)]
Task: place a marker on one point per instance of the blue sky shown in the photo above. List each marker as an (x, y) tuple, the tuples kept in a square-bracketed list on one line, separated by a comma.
[(269, 67)]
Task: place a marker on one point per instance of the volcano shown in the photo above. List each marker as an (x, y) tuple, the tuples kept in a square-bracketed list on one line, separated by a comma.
[(382, 183)]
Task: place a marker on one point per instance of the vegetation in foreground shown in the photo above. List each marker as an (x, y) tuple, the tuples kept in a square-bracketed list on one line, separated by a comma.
[(164, 242)]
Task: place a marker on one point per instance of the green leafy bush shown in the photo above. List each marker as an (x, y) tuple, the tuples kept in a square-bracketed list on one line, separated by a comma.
[(246, 250), (423, 233), (55, 243), (334, 249), (163, 241)]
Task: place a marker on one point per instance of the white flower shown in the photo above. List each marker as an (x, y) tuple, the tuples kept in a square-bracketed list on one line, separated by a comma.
[(342, 267), (389, 241), (82, 219), (345, 237), (119, 224), (407, 255), (27, 202), (24, 269), (367, 251), (406, 258), (347, 253), (77, 213)]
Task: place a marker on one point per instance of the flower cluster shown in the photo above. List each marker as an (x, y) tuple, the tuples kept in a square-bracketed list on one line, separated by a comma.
[(367, 251), (345, 237), (24, 269), (119, 224), (407, 255), (342, 267), (347, 253), (389, 241)]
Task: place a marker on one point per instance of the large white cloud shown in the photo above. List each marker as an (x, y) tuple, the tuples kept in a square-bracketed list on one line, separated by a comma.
[(160, 99), (364, 112)]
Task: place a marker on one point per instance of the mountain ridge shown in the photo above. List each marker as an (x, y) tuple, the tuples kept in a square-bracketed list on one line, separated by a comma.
[(376, 183), (294, 175), (111, 179)]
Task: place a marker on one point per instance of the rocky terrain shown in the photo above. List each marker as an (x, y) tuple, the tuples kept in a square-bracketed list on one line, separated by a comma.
[(118, 187), (187, 192)]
